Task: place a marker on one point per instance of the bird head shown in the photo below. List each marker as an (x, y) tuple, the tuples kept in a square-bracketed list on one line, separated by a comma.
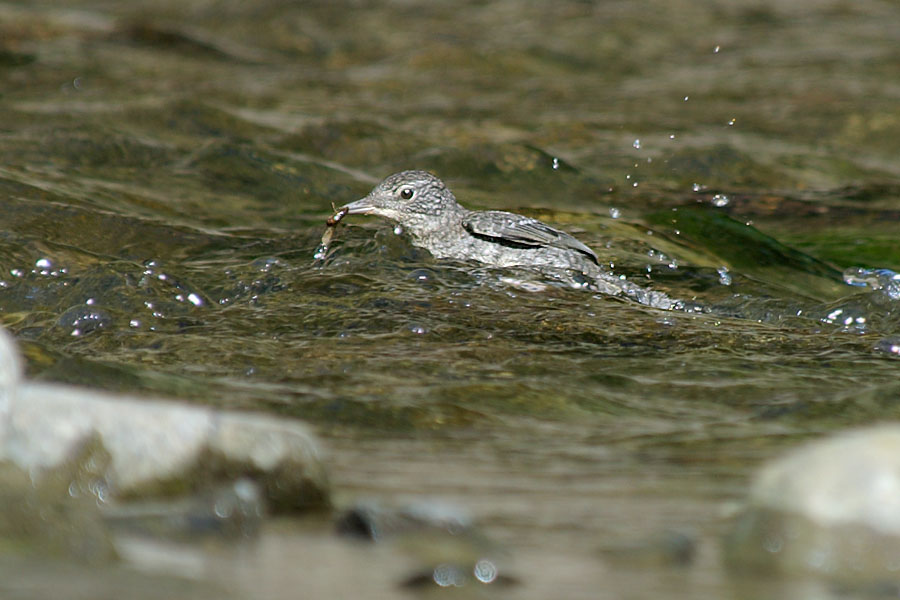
[(417, 200)]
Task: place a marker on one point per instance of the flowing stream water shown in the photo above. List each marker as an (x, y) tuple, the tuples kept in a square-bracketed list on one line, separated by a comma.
[(167, 168)]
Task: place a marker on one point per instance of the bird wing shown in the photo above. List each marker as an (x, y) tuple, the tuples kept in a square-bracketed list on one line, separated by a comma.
[(510, 229)]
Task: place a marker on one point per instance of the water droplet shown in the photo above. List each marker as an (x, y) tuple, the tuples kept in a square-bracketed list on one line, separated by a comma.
[(82, 319), (134, 323), (421, 275), (485, 571), (636, 144), (614, 212), (697, 187), (720, 200), (418, 329), (672, 136), (555, 163), (265, 264), (43, 263), (731, 122), (100, 489), (635, 184), (398, 230), (883, 280), (223, 508), (448, 575), (724, 275), (195, 299), (716, 49), (686, 98), (889, 345)]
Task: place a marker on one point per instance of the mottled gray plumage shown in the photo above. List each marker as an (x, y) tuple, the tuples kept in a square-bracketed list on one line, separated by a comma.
[(428, 211)]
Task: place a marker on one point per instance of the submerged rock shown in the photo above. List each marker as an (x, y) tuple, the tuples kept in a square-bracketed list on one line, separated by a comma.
[(830, 508), (59, 515), (447, 548), (230, 511), (371, 521), (156, 448)]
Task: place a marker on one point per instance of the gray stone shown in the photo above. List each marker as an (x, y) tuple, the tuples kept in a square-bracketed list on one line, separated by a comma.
[(156, 447), (428, 211), (831, 507)]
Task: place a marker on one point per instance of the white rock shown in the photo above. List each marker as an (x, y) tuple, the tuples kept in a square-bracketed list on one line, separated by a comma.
[(830, 507), (851, 478), (155, 446), (147, 440), (10, 373)]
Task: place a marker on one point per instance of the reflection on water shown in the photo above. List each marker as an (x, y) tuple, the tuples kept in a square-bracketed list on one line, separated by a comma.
[(168, 169)]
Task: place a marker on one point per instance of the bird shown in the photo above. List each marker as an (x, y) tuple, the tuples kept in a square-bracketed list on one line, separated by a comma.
[(429, 213)]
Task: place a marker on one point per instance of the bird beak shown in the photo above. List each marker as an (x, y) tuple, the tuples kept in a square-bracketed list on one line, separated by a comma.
[(363, 206)]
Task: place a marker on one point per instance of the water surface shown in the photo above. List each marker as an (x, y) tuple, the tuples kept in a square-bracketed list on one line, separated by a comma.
[(167, 170)]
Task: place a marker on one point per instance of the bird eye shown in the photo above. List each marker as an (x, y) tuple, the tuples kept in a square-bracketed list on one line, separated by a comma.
[(406, 193)]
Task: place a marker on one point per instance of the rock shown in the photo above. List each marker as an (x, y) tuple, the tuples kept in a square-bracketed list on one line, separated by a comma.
[(10, 373), (371, 521), (830, 508), (448, 549), (156, 448), (57, 516), (229, 511)]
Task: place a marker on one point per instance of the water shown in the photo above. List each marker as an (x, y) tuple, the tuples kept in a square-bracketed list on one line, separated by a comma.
[(167, 171)]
